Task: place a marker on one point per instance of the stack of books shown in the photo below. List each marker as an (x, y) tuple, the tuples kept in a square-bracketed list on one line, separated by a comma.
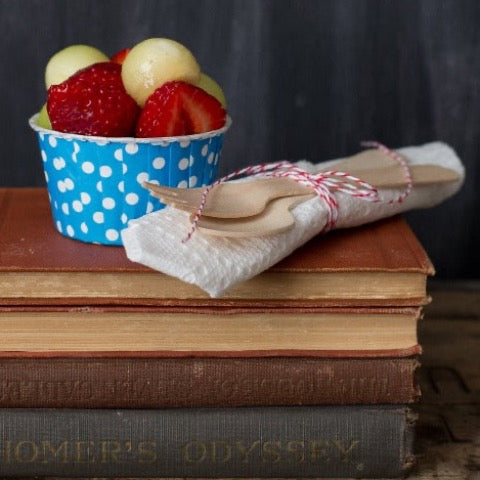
[(108, 368)]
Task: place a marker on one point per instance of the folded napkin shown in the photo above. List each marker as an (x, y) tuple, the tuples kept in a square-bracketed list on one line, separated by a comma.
[(216, 264)]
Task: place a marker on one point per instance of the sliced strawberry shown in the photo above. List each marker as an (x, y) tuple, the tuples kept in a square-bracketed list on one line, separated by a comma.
[(179, 108), (119, 57), (162, 114), (202, 111), (93, 101)]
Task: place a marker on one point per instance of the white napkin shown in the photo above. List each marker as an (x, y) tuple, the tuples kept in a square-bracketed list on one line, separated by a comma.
[(216, 264)]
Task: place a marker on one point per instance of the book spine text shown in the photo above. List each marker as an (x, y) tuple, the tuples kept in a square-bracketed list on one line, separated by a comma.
[(355, 441), (188, 382)]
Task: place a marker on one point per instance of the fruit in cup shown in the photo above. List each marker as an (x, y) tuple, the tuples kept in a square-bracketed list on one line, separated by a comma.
[(212, 87), (156, 61), (68, 61), (179, 108), (119, 57), (93, 101), (43, 120)]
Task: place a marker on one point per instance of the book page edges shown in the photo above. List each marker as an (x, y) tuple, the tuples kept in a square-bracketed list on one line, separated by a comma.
[(78, 331), (268, 286)]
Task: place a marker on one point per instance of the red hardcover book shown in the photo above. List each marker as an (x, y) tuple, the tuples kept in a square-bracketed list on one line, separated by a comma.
[(381, 264), (116, 382)]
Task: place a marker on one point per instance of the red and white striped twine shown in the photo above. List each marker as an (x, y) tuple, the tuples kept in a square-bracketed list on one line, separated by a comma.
[(325, 184), (401, 161)]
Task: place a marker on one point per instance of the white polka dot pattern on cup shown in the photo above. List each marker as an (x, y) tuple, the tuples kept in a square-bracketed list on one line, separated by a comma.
[(108, 203), (69, 185), (95, 187), (98, 217), (158, 163), (58, 163), (183, 164), (77, 205), (85, 198), (105, 171), (112, 234), (88, 167)]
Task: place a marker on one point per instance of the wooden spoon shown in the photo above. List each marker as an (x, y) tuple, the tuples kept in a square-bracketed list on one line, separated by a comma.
[(230, 199), (275, 218)]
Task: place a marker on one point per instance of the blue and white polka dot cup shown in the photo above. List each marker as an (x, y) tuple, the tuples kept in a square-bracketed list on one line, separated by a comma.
[(94, 183)]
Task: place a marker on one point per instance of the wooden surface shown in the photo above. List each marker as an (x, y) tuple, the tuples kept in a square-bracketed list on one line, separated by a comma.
[(448, 435)]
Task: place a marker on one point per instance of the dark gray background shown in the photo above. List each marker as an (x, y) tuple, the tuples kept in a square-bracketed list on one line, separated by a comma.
[(304, 79)]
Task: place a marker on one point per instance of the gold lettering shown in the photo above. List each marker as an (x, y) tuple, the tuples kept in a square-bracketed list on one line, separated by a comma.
[(25, 452), (83, 451), (345, 450), (62, 389), (267, 384), (297, 449), (247, 384), (147, 451), (6, 452), (109, 450), (194, 452), (318, 450), (271, 449), (245, 451), (10, 390), (221, 451), (301, 387), (381, 384), (285, 385), (85, 390), (60, 451), (229, 388), (341, 386)]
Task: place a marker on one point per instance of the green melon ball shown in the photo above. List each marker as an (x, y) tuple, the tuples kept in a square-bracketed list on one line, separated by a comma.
[(212, 87), (43, 119), (70, 60), (155, 61)]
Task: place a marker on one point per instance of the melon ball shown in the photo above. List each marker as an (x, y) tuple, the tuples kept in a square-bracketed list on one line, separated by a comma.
[(43, 119), (212, 87), (155, 61), (70, 60)]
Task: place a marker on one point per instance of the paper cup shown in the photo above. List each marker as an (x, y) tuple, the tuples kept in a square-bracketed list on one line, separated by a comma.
[(94, 183)]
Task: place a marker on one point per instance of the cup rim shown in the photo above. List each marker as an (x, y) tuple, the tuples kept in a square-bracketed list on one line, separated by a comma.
[(32, 121)]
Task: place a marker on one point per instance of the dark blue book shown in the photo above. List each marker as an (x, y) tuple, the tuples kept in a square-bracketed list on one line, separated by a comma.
[(330, 441)]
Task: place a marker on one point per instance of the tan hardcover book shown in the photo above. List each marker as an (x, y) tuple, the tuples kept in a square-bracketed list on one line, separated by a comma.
[(209, 332), (381, 264)]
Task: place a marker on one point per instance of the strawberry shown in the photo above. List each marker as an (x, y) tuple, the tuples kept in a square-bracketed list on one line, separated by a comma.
[(119, 56), (93, 101), (162, 114), (202, 111), (179, 108)]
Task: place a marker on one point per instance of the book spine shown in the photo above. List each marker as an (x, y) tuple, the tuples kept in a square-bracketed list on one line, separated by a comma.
[(355, 441), (189, 382)]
